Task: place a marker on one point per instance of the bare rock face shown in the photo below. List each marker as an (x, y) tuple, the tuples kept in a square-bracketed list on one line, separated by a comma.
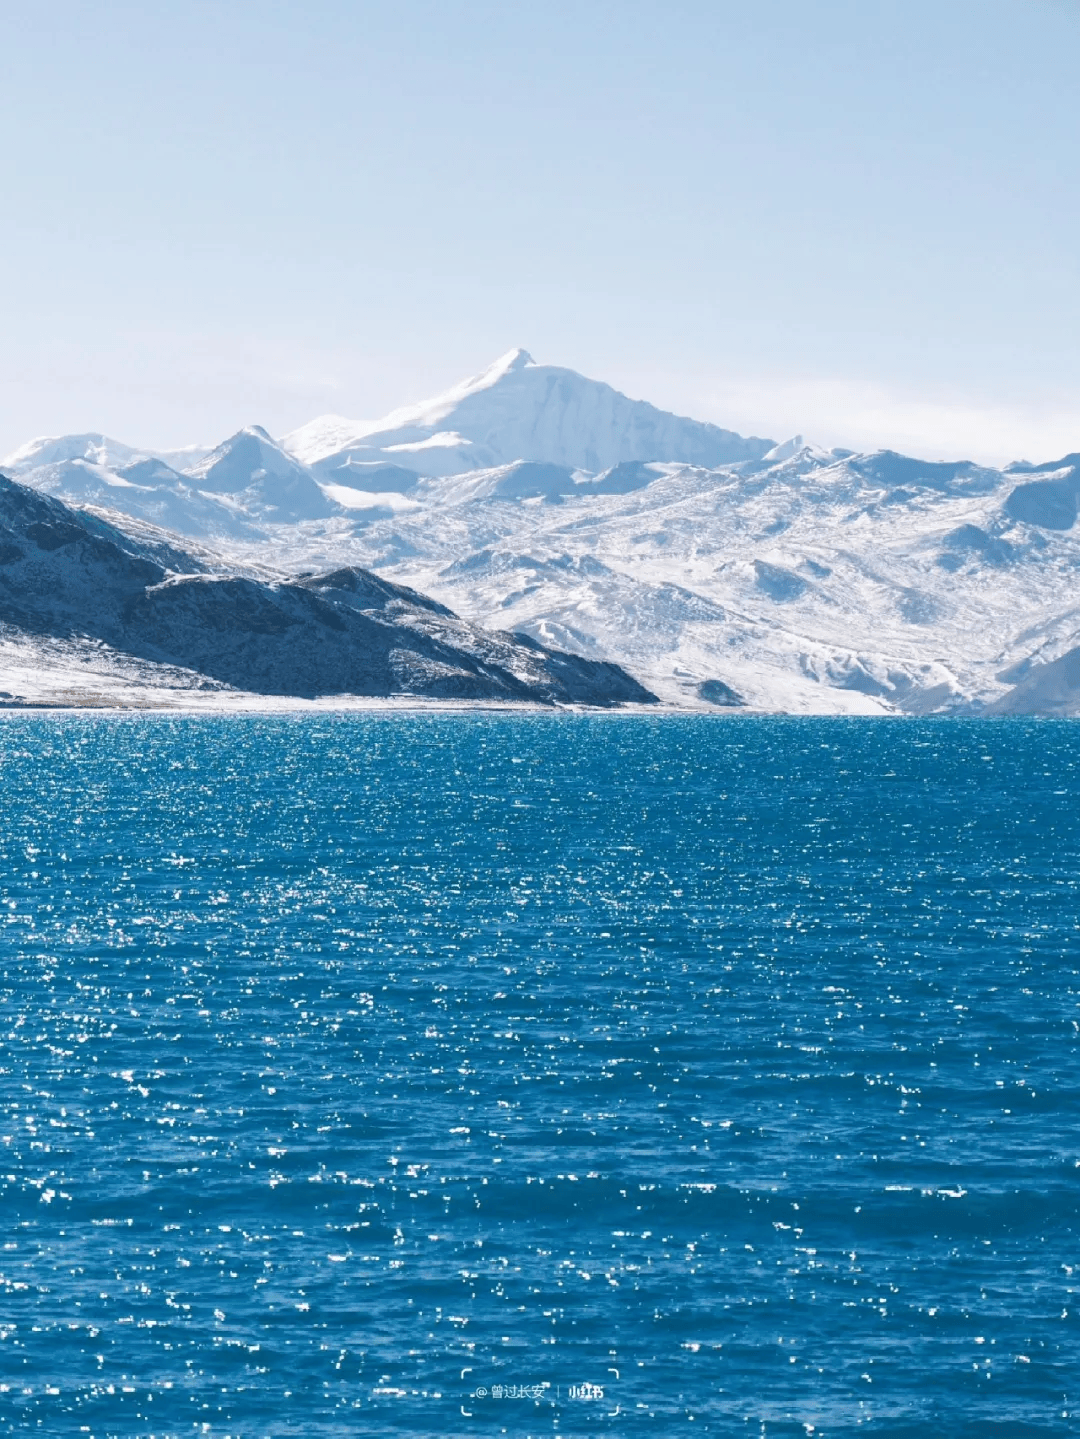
[(64, 573), (716, 692)]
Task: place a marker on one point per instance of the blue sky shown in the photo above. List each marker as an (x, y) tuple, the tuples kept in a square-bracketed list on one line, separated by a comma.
[(856, 219)]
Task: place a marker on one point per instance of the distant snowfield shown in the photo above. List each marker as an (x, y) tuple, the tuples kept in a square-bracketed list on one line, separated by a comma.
[(803, 588), (720, 571), (350, 499)]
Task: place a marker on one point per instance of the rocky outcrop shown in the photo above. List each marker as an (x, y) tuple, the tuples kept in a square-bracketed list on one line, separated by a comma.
[(67, 574)]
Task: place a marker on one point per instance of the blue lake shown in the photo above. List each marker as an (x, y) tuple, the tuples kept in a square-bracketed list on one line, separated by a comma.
[(532, 1075)]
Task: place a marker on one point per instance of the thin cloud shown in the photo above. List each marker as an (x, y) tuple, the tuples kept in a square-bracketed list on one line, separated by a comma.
[(867, 416)]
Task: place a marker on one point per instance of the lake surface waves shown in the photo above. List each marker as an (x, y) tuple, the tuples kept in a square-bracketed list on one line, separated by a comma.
[(535, 1075)]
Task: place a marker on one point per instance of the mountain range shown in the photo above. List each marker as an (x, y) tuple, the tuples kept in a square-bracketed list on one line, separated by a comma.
[(114, 597), (720, 571)]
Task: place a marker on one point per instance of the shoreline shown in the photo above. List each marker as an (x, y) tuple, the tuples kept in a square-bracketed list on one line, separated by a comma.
[(337, 704), (240, 706)]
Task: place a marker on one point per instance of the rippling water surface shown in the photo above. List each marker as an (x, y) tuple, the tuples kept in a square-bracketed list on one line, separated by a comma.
[(413, 1075)]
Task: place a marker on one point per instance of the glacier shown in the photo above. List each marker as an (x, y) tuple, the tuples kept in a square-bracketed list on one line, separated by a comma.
[(722, 572)]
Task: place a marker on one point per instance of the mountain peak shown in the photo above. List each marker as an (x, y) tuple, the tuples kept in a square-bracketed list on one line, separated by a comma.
[(517, 409), (330, 434), (98, 449), (506, 364), (250, 463)]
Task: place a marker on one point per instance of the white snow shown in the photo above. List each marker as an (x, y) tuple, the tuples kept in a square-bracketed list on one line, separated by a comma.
[(444, 440), (325, 436), (804, 586), (351, 499), (517, 409), (804, 580), (54, 449), (331, 433)]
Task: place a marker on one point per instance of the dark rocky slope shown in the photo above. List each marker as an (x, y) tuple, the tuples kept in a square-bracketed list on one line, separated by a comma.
[(65, 573)]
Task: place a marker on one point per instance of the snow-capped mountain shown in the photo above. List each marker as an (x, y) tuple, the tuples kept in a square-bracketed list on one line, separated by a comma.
[(719, 571), (517, 410), (816, 582), (228, 491), (56, 449), (561, 431), (95, 449), (144, 488), (261, 477)]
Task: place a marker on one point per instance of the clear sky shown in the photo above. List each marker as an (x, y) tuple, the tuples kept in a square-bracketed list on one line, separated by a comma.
[(856, 219)]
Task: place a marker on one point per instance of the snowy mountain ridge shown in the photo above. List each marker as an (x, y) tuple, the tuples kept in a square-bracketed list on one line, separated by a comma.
[(519, 410), (329, 434), (720, 571)]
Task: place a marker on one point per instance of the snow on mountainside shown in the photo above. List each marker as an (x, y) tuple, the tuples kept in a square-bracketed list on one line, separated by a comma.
[(146, 489), (819, 582), (72, 580), (518, 410), (227, 491), (96, 450), (56, 449), (251, 467), (720, 571)]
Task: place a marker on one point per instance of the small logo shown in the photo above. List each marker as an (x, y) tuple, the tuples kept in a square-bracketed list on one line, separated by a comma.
[(586, 1391)]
